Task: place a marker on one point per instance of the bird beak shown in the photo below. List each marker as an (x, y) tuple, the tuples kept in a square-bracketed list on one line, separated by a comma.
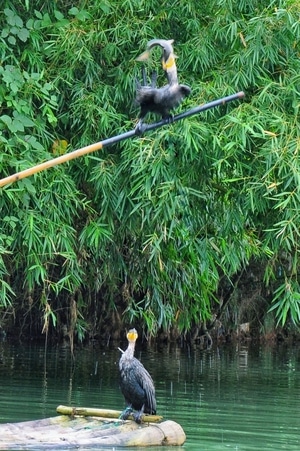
[(144, 56)]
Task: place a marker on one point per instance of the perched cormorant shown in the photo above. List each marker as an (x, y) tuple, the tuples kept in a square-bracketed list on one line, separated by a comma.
[(135, 382), (160, 100)]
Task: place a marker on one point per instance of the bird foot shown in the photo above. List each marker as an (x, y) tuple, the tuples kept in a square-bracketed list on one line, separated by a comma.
[(138, 416), (140, 128), (126, 412), (170, 119)]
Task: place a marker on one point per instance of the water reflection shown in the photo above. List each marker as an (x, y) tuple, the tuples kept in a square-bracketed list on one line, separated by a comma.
[(229, 398)]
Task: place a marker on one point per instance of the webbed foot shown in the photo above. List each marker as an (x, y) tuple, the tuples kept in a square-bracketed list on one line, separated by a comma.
[(170, 118), (126, 412), (138, 416), (140, 128)]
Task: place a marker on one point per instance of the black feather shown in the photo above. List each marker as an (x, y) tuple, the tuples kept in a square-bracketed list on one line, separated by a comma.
[(135, 382), (160, 100)]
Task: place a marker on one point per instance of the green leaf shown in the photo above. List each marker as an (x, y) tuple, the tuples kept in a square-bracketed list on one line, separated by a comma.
[(6, 120), (8, 12), (5, 33), (23, 34), (73, 11), (12, 40)]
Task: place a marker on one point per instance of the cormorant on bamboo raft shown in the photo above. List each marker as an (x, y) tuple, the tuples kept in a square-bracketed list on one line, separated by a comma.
[(136, 383), (88, 428)]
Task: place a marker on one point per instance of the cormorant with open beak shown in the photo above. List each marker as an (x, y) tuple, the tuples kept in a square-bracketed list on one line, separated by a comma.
[(160, 100)]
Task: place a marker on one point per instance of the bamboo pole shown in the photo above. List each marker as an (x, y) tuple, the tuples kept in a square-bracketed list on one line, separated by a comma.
[(103, 413), (115, 139)]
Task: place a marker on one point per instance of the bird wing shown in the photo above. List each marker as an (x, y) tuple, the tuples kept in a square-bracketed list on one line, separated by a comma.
[(144, 380)]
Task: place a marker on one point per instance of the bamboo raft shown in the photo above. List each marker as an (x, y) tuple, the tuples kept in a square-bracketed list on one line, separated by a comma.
[(89, 428)]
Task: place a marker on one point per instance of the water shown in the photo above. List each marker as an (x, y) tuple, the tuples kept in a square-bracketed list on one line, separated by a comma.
[(230, 398)]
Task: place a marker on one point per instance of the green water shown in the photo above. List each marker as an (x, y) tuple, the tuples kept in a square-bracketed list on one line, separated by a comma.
[(230, 398)]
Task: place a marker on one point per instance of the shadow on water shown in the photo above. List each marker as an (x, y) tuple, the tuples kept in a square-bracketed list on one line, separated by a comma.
[(229, 398)]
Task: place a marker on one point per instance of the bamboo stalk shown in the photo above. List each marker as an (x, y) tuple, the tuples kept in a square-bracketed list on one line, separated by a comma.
[(50, 163), (103, 413), (113, 140)]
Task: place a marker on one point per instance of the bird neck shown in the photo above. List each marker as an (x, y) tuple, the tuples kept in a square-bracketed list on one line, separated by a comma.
[(169, 66), (130, 349)]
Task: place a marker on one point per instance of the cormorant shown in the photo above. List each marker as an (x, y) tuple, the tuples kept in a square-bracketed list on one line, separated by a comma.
[(135, 382), (160, 100)]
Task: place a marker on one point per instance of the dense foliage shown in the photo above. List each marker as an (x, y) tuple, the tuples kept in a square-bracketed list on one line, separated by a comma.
[(157, 230)]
